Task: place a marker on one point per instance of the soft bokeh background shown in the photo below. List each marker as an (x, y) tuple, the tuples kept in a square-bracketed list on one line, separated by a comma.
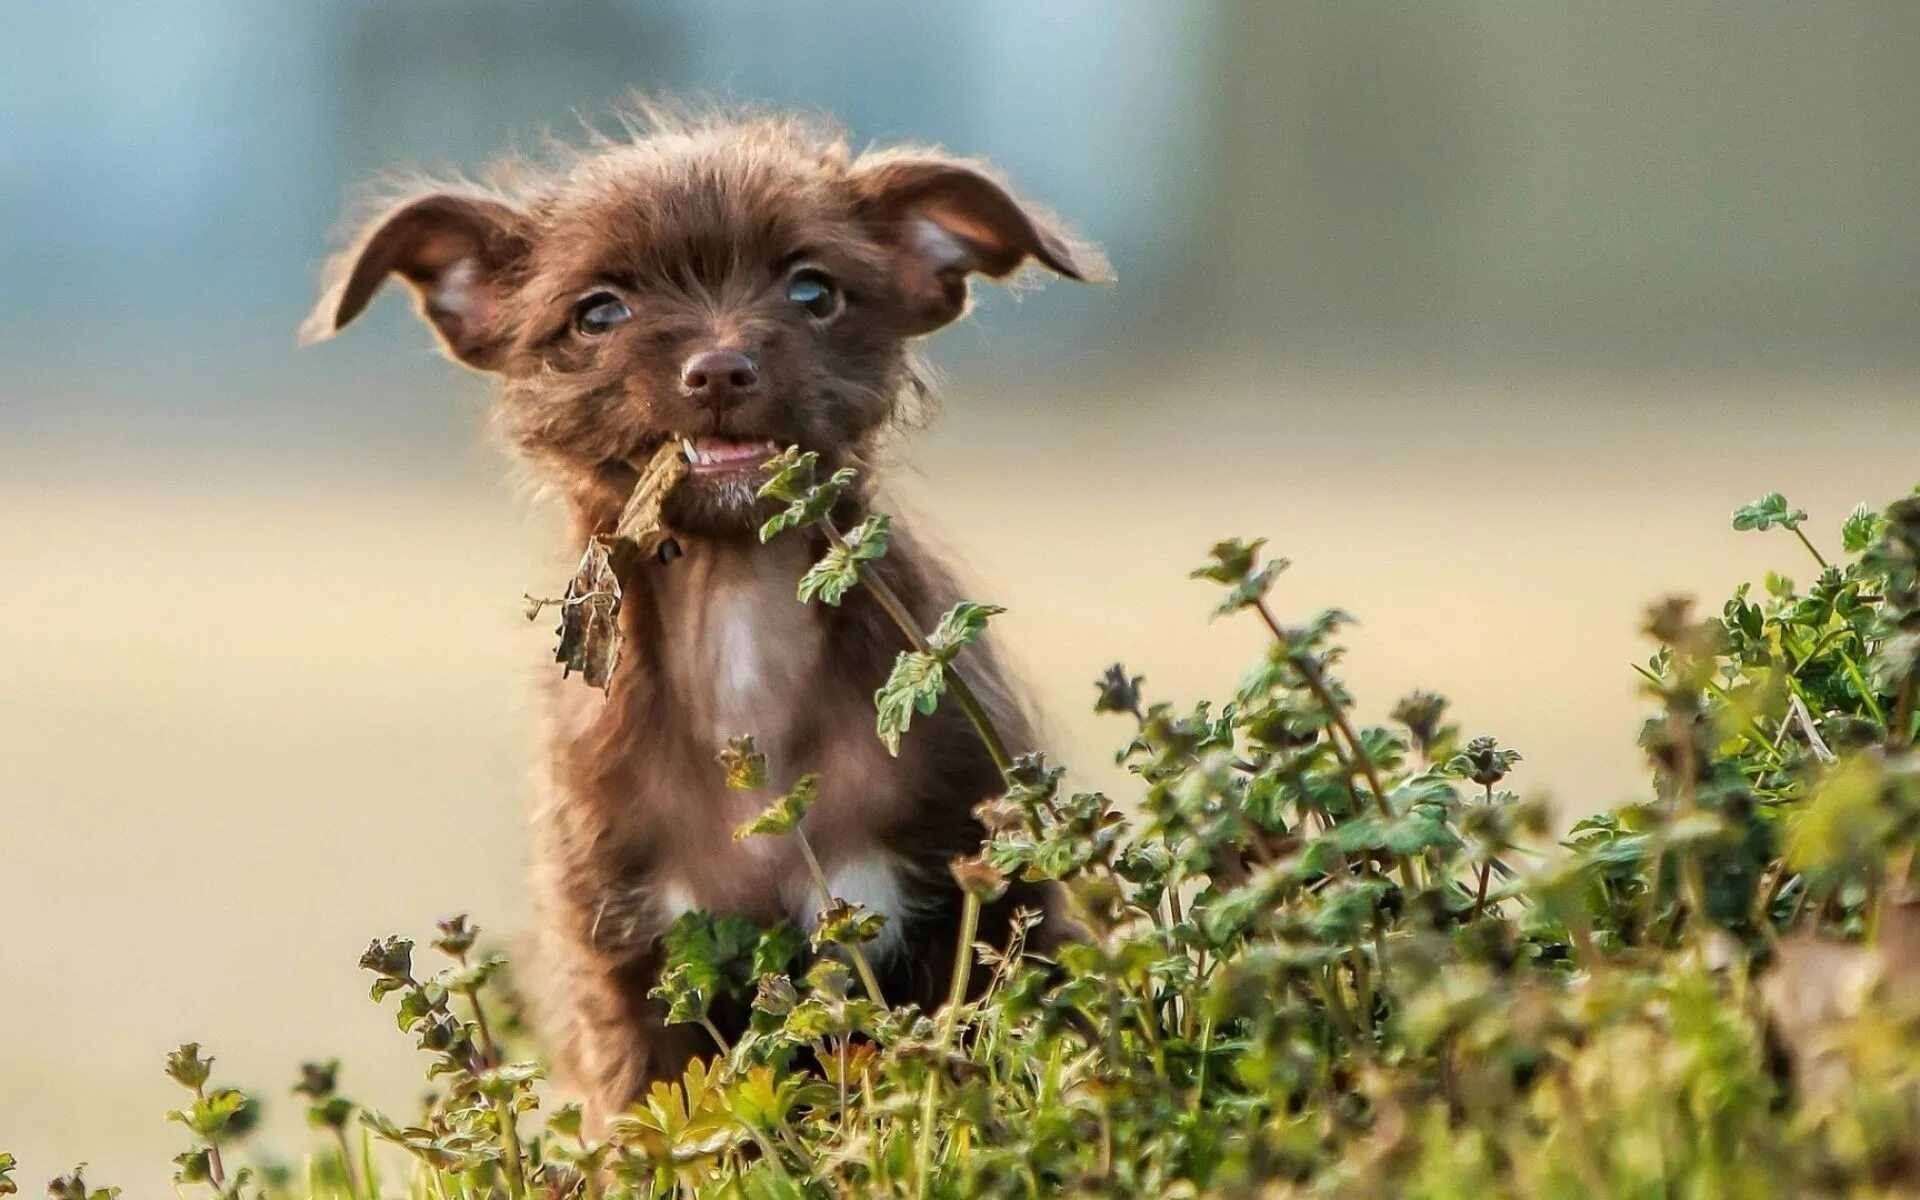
[(1486, 314)]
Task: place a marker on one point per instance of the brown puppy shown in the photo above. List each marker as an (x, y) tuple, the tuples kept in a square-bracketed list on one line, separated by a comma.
[(749, 284)]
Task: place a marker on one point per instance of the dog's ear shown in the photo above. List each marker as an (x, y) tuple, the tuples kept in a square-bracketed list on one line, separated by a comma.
[(458, 253), (945, 218)]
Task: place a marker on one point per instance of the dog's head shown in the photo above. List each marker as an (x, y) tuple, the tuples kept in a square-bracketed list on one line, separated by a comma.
[(745, 285)]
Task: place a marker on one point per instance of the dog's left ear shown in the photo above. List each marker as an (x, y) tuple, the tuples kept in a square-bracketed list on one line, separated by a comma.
[(946, 218)]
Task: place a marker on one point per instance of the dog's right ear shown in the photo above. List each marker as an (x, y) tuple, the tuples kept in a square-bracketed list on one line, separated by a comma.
[(458, 254)]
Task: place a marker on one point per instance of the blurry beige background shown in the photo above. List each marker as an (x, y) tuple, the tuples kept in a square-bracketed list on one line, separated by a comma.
[(1487, 315)]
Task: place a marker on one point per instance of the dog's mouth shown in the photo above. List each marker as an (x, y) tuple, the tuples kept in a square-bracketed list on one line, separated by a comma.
[(710, 455)]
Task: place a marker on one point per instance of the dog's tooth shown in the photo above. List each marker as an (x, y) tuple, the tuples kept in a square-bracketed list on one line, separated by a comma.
[(686, 448)]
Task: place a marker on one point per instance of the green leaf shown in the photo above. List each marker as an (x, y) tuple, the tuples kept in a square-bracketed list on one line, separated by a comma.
[(1119, 691), (784, 813), (186, 1068), (1418, 832), (318, 1080), (331, 1113), (777, 949), (916, 685), (569, 1120), (1235, 563), (846, 924), (223, 1111), (1848, 824), (391, 959), (960, 626), (1483, 761), (790, 474), (74, 1187), (792, 480), (1766, 512), (1230, 561), (1861, 529), (415, 1005), (457, 935), (193, 1166), (746, 766), (919, 677), (838, 570), (680, 986), (704, 958)]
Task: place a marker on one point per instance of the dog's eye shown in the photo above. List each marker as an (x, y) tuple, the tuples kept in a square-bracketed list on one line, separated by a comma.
[(600, 312), (815, 292)]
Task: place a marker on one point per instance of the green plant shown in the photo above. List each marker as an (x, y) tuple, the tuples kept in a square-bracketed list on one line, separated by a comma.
[(1321, 957)]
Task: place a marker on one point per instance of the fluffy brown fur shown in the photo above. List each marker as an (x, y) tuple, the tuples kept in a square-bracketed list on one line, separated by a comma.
[(692, 235)]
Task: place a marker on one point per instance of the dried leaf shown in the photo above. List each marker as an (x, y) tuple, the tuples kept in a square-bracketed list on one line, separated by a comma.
[(590, 610), (640, 526), (590, 618)]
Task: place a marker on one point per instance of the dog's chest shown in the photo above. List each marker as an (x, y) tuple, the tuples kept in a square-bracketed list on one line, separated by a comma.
[(741, 653), (732, 651)]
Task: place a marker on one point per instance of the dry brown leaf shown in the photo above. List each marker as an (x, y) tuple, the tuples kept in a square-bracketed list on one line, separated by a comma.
[(590, 611)]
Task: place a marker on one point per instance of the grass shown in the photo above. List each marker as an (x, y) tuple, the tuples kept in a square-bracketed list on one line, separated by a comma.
[(1322, 958)]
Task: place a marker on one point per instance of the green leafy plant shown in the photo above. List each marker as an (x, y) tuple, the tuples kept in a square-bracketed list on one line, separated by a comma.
[(1322, 956)]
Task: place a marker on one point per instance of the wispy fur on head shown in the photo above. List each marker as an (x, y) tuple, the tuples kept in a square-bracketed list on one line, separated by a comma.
[(694, 218)]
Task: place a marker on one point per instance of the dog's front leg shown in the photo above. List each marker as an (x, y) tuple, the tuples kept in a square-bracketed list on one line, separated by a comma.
[(610, 1039)]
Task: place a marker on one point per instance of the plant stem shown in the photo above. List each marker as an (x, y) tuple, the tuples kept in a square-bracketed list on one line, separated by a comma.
[(1330, 995), (1681, 736), (1206, 1049), (216, 1172), (962, 965), (1311, 675), (1363, 983), (962, 691), (1901, 733), (956, 996), (1817, 556), (845, 1066), (1486, 872), (1182, 1011), (515, 1168), (861, 966), (1865, 693), (346, 1161)]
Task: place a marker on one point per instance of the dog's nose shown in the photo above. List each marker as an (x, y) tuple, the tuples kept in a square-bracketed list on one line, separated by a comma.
[(720, 378)]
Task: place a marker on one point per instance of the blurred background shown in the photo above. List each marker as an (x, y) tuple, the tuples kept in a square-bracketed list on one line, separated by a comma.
[(1487, 315)]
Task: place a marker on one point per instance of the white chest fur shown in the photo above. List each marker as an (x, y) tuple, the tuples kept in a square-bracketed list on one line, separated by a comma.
[(745, 649), (876, 883), (742, 662)]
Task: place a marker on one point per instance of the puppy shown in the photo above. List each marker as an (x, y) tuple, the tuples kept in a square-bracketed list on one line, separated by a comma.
[(747, 284)]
